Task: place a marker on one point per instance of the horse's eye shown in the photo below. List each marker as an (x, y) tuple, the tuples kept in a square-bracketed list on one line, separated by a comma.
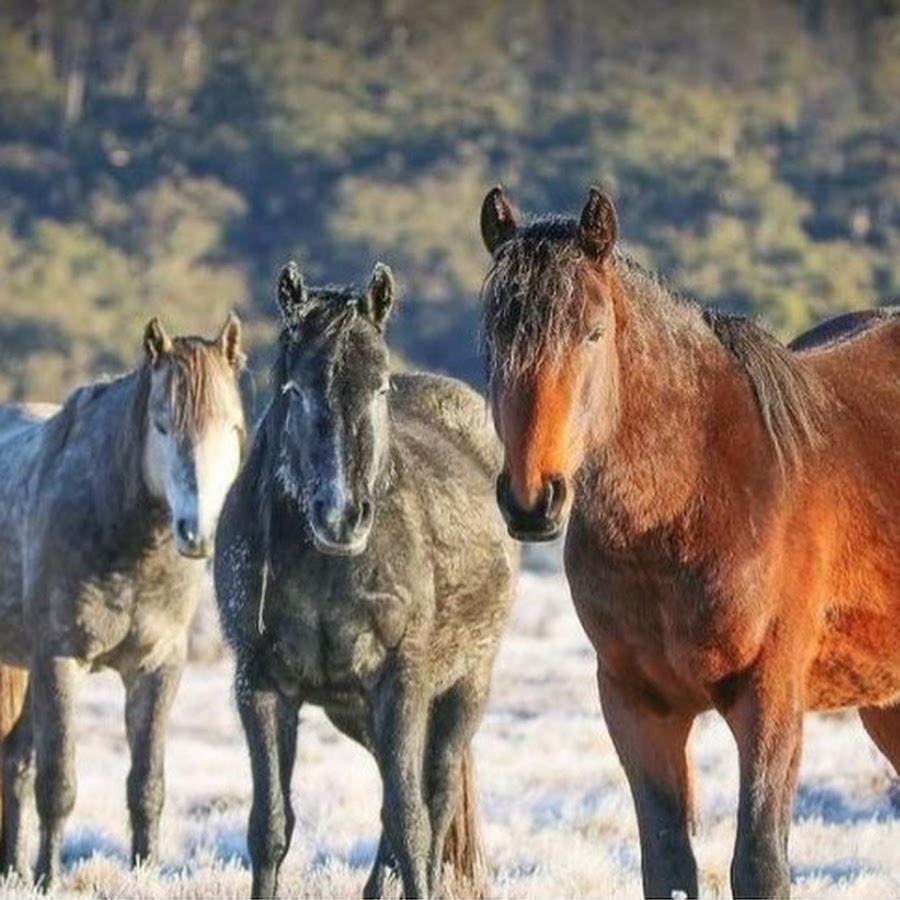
[(385, 386), (595, 334), (160, 427)]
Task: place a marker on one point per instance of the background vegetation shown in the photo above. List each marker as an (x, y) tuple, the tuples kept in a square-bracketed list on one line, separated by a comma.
[(169, 155)]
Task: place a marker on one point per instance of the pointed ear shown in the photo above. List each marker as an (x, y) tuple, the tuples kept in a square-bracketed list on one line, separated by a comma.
[(156, 342), (499, 221), (292, 294), (230, 342), (379, 298), (598, 226)]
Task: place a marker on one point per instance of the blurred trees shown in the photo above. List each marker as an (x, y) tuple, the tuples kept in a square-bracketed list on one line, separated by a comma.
[(169, 155)]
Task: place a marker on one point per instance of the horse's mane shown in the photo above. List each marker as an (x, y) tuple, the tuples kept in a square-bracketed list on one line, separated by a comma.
[(59, 426), (518, 336), (198, 375), (789, 394), (331, 310), (544, 261)]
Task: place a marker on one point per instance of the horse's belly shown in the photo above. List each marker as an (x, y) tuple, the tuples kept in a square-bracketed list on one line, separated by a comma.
[(858, 663)]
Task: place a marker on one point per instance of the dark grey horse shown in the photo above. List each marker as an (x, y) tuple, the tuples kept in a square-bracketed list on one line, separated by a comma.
[(362, 565), (107, 506)]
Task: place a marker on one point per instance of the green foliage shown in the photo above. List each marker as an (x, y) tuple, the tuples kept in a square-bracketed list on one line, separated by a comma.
[(28, 89), (163, 157)]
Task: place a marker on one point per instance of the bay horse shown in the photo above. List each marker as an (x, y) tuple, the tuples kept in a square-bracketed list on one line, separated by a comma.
[(732, 510), (362, 566), (108, 506)]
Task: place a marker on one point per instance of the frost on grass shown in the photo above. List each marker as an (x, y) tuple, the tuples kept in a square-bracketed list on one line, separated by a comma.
[(558, 816)]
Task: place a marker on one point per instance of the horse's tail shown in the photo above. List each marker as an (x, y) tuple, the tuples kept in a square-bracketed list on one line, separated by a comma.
[(13, 685), (464, 846)]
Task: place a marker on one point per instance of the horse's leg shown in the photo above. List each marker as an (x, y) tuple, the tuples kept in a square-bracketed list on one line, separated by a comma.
[(270, 727), (18, 789), (883, 726), (652, 748), (766, 718), (382, 867), (401, 720), (148, 699), (53, 683), (454, 719)]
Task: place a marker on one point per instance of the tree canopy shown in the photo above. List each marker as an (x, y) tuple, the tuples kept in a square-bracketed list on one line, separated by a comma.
[(168, 156)]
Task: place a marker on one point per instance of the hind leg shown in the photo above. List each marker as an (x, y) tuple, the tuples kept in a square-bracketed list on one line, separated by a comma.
[(384, 866), (454, 718), (148, 699), (53, 684), (18, 791), (883, 726)]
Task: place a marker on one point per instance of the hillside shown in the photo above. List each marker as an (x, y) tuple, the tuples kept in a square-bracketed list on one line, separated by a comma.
[(169, 155)]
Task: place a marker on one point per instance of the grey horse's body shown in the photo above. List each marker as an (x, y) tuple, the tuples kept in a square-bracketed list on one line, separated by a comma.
[(395, 641), (91, 575), (21, 434)]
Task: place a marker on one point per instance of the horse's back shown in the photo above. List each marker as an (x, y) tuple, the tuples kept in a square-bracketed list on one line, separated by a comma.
[(843, 327), (445, 503), (15, 417), (449, 409), (21, 432), (857, 356)]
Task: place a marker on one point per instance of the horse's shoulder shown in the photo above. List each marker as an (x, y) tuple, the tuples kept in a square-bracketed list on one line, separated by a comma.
[(446, 410)]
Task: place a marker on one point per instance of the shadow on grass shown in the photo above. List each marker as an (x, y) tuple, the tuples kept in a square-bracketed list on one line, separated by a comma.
[(223, 845), (86, 843), (359, 857), (828, 805), (841, 870)]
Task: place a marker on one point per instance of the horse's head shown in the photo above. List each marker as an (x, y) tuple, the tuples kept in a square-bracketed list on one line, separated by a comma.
[(331, 385), (194, 428), (549, 335)]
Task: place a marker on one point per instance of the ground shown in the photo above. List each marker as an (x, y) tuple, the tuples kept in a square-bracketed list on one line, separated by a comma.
[(558, 816)]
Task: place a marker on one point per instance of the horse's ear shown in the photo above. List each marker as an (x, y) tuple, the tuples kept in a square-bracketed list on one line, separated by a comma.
[(230, 342), (598, 226), (292, 294), (499, 221), (379, 298), (156, 342)]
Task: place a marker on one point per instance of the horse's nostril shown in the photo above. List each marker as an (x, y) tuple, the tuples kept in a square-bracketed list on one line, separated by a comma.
[(556, 490), (365, 512), (187, 531), (503, 493)]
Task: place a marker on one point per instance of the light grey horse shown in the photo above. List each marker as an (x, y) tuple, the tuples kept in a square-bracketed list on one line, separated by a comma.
[(108, 506), (362, 566)]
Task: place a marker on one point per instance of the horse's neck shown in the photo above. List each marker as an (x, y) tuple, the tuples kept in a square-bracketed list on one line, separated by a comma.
[(675, 383)]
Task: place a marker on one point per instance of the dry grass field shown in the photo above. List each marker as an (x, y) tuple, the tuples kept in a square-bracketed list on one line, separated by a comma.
[(558, 816)]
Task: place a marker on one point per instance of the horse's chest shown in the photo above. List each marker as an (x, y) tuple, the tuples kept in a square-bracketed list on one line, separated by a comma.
[(663, 632), (123, 618), (323, 650)]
